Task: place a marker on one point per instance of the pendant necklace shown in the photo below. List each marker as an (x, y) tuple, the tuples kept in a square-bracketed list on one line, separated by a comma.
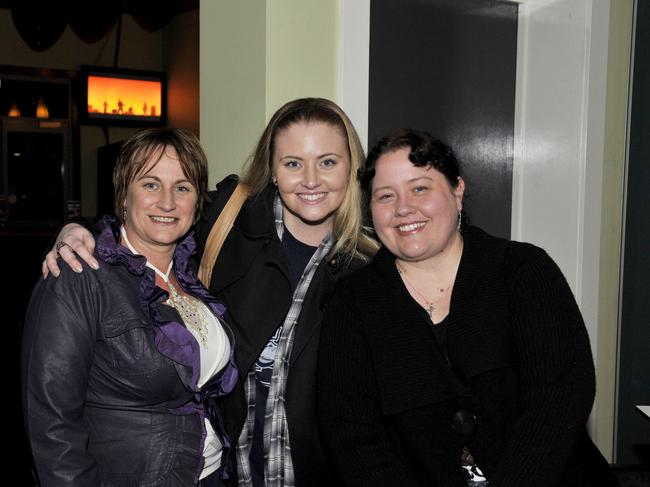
[(191, 310), (430, 305)]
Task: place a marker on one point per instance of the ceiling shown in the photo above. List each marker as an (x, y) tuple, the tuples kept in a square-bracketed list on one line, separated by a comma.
[(41, 22), (125, 6)]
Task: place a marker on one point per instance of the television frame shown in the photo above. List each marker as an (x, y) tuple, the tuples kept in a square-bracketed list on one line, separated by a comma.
[(86, 118)]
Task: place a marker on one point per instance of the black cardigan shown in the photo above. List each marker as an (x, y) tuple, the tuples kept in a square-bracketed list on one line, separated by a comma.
[(251, 277), (521, 362)]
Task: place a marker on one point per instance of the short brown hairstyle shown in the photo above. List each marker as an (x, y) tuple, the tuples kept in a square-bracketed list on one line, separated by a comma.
[(148, 145)]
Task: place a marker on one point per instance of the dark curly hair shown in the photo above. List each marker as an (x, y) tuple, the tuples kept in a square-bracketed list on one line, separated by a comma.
[(426, 150)]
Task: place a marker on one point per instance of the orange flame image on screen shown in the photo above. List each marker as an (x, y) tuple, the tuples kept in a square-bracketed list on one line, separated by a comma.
[(123, 97)]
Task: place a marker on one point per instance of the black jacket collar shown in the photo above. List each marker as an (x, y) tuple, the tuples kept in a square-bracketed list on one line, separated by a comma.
[(257, 219), (478, 331)]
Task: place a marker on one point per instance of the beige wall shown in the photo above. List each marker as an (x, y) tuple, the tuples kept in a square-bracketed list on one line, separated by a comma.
[(302, 51), (255, 56), (618, 69), (232, 80)]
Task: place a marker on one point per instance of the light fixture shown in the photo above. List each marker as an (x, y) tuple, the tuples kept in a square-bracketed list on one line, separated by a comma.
[(41, 109), (14, 111)]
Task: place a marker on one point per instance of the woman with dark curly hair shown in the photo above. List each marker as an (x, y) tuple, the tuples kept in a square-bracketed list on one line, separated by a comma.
[(454, 358)]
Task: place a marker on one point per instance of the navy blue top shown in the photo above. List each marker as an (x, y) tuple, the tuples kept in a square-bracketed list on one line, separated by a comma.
[(297, 255)]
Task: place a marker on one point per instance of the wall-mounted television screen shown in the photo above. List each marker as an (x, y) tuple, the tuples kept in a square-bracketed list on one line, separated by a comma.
[(111, 96)]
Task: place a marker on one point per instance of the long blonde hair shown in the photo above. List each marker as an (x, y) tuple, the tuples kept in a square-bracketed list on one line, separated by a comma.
[(352, 238)]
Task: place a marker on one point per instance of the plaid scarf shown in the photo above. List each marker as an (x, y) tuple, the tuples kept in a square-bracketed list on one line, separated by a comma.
[(278, 466)]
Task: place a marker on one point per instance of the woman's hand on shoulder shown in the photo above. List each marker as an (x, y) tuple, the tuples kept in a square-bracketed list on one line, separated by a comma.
[(73, 242)]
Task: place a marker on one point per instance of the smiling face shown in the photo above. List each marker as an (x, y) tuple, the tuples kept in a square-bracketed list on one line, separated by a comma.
[(311, 168), (414, 209), (160, 206)]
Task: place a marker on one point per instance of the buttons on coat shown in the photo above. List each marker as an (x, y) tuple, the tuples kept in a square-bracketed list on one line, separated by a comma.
[(464, 422)]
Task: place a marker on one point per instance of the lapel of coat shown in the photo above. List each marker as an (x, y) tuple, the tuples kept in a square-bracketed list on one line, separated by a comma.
[(411, 367), (181, 347), (252, 230), (479, 337), (319, 292)]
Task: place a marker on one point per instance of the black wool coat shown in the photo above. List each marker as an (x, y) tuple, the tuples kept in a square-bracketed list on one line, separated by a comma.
[(519, 359), (251, 277)]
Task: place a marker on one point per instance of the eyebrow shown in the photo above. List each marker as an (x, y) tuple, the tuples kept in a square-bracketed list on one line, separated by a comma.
[(317, 157), (413, 180), (145, 176)]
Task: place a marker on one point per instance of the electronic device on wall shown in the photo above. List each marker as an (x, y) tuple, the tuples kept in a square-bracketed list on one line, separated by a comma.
[(122, 97)]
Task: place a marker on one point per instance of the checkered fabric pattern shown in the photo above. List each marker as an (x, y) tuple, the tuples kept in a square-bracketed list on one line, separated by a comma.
[(278, 466)]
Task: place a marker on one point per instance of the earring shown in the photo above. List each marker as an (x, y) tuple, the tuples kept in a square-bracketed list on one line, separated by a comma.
[(124, 214), (460, 219)]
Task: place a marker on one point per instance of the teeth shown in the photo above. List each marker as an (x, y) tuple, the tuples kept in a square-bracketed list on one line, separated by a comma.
[(411, 226), (312, 197), (163, 219)]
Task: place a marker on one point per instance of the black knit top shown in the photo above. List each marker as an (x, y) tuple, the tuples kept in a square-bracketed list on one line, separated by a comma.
[(519, 359)]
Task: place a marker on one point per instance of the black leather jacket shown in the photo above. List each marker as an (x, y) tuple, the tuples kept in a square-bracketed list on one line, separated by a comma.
[(110, 375)]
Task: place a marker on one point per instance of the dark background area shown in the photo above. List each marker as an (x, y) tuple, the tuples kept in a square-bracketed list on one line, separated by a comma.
[(633, 428), (42, 159), (20, 271)]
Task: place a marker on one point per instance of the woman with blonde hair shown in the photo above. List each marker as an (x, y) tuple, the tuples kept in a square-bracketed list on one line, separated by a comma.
[(299, 231)]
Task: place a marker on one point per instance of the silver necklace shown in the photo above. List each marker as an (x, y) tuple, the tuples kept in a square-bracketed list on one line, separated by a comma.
[(192, 310), (430, 305)]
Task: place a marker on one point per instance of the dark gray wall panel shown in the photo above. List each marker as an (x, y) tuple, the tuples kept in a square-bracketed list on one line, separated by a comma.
[(448, 67)]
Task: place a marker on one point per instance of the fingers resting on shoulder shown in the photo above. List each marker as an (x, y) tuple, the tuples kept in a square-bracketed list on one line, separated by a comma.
[(74, 243)]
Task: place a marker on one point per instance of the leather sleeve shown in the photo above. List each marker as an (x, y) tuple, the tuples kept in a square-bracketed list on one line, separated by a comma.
[(57, 353)]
